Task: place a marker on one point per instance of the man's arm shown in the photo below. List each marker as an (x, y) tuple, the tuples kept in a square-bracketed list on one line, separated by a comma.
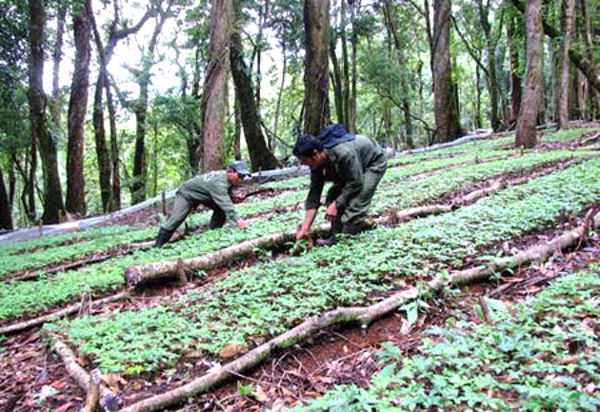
[(313, 201), (309, 218), (222, 199)]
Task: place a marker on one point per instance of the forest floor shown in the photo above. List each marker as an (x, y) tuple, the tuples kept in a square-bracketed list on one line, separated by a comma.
[(32, 377)]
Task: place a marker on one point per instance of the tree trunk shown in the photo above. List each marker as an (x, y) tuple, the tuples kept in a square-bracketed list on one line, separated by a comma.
[(515, 78), (562, 91), (110, 194), (336, 80), (477, 116), (445, 109), (214, 99), (77, 111), (260, 156), (237, 134), (140, 161), (104, 169), (5, 206), (279, 94), (490, 48), (55, 106), (53, 203), (316, 74), (390, 18), (354, 71), (526, 124), (115, 194), (345, 66), (586, 28), (582, 63)]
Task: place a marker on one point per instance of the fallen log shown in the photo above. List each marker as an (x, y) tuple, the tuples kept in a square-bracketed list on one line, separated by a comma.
[(21, 326), (361, 315), (107, 400), (139, 274)]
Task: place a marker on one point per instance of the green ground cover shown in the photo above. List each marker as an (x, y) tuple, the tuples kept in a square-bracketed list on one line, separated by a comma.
[(44, 242), (538, 355), (52, 255), (32, 297), (255, 303)]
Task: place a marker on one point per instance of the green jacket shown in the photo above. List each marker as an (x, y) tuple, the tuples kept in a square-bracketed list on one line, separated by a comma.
[(210, 189), (347, 163)]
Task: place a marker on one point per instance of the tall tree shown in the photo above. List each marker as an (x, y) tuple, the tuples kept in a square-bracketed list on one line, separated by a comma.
[(260, 155), (592, 106), (55, 104), (562, 89), (447, 118), (526, 124), (515, 75), (214, 99), (78, 108), (491, 41), (108, 159), (390, 21), (142, 76), (316, 74), (53, 203), (5, 206)]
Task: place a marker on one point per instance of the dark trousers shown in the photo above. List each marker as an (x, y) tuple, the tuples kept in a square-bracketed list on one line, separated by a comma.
[(182, 208)]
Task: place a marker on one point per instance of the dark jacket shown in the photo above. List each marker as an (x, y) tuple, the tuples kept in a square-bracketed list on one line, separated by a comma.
[(347, 162)]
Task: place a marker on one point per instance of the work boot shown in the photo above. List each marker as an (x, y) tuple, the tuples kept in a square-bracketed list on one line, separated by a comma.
[(163, 237), (336, 227), (358, 227)]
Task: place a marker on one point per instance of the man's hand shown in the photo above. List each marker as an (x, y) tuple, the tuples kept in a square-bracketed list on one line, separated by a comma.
[(302, 233), (332, 211), (242, 224)]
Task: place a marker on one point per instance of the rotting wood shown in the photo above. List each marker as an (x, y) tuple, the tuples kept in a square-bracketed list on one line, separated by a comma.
[(361, 315), (21, 326), (92, 398), (108, 400)]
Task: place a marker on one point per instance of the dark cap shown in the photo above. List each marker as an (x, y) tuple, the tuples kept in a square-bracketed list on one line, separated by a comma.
[(241, 167)]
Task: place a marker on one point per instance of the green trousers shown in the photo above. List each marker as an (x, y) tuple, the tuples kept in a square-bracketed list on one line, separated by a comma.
[(182, 208), (357, 208)]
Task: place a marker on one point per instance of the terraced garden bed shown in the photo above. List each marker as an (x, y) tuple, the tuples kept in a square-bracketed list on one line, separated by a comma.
[(154, 342), (250, 305)]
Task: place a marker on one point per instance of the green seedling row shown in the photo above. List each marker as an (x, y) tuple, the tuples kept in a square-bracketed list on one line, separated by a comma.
[(52, 255), (38, 296), (253, 304), (542, 353), (34, 297), (405, 193), (33, 245)]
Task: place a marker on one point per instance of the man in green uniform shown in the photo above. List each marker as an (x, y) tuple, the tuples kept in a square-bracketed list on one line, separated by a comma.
[(212, 190), (355, 164)]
